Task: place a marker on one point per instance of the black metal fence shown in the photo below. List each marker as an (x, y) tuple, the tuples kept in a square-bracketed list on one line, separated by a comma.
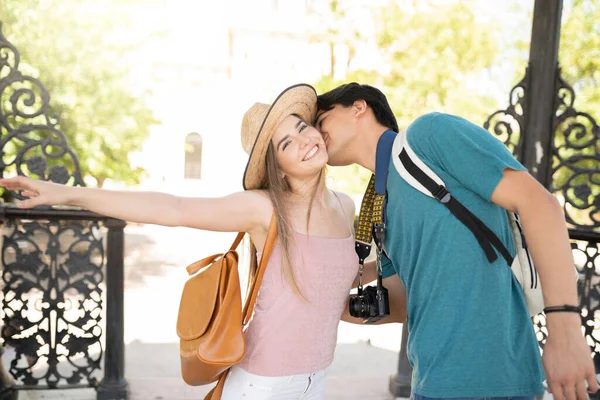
[(57, 272)]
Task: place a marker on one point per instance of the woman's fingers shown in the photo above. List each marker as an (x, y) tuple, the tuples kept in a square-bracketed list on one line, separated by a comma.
[(36, 192), (10, 185), (32, 202), (29, 193), (28, 187), (17, 183)]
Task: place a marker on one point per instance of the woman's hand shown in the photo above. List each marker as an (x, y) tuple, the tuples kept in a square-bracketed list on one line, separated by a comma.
[(38, 192)]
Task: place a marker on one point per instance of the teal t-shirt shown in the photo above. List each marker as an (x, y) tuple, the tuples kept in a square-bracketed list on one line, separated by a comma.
[(470, 332)]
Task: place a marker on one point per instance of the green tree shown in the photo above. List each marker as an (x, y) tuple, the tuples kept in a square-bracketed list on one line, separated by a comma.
[(76, 49), (434, 58), (579, 53), (335, 27)]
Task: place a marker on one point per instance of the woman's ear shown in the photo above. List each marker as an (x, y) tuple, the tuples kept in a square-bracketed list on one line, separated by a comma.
[(359, 108)]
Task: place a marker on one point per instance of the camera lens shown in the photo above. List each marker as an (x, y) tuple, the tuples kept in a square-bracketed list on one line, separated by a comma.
[(359, 306), (354, 312)]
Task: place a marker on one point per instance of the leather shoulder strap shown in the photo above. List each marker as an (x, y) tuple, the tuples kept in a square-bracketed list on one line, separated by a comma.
[(198, 265), (217, 391), (260, 272), (237, 241)]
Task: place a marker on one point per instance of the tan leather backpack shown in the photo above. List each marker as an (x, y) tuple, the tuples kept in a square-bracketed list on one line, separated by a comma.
[(211, 323)]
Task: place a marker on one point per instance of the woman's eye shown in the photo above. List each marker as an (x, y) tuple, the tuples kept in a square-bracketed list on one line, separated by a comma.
[(286, 144), (303, 127)]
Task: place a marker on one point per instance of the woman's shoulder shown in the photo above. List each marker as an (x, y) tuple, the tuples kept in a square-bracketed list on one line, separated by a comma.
[(347, 203), (259, 196), (260, 203)]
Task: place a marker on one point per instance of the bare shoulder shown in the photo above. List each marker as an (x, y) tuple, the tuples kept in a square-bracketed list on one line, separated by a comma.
[(348, 204), (258, 196), (237, 212), (262, 208), (259, 203)]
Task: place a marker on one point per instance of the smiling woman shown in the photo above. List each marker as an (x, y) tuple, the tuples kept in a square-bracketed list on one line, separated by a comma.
[(298, 142), (304, 292)]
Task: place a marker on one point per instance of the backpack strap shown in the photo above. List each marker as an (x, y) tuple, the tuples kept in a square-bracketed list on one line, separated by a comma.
[(237, 241), (422, 178), (260, 272)]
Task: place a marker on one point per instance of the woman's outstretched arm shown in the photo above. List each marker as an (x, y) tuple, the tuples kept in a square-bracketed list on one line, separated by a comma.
[(242, 211)]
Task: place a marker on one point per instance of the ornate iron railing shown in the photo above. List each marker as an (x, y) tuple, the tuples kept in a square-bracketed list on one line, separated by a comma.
[(509, 124), (54, 259), (576, 161)]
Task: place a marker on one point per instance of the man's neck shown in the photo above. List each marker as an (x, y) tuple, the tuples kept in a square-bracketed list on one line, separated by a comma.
[(367, 156)]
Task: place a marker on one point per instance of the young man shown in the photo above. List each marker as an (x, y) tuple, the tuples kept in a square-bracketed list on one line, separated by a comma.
[(470, 331)]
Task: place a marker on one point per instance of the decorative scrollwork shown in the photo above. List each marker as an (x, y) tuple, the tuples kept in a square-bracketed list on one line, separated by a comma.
[(52, 271), (586, 255), (576, 161), (9, 56), (509, 124), (541, 332), (587, 260), (53, 301), (31, 142)]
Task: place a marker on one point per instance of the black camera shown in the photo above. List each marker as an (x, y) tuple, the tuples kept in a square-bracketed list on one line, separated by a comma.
[(372, 304)]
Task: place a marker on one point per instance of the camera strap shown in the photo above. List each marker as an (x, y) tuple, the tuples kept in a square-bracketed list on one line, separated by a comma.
[(371, 220)]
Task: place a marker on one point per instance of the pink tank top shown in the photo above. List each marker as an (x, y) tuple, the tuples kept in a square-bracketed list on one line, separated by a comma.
[(288, 335)]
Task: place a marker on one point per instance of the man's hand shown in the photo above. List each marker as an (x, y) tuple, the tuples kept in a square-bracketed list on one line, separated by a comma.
[(567, 359), (397, 298)]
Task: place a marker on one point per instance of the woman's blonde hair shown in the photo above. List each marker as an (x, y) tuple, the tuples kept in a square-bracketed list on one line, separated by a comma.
[(278, 190)]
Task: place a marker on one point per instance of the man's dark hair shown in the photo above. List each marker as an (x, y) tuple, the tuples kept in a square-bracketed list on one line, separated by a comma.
[(345, 95)]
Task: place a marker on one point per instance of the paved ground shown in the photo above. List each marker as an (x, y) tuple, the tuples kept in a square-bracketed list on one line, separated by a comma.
[(360, 371)]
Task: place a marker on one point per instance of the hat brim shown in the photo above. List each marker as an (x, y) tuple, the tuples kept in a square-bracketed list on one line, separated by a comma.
[(301, 100)]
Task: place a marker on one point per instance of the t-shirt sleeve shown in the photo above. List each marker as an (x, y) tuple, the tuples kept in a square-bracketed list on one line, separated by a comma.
[(387, 267), (462, 149)]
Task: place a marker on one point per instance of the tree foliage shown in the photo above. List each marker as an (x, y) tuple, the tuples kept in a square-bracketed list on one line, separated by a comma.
[(76, 49), (579, 53), (433, 58)]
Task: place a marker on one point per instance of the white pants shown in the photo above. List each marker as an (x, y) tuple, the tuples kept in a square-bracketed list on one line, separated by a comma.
[(242, 385)]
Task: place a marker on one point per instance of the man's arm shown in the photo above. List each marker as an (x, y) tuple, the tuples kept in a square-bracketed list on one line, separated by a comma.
[(566, 355)]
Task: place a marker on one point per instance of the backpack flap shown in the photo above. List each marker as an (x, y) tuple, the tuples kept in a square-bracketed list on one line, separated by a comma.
[(524, 270), (522, 265), (199, 297)]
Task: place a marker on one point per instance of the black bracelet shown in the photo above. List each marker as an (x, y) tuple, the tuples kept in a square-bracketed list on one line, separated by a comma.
[(563, 308)]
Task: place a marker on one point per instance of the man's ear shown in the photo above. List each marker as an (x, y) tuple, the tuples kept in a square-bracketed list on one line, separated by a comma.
[(359, 108)]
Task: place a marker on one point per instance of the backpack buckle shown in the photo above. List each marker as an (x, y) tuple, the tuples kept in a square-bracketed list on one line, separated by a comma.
[(442, 194)]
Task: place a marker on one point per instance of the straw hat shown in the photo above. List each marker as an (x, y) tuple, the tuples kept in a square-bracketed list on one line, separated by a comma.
[(260, 122)]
